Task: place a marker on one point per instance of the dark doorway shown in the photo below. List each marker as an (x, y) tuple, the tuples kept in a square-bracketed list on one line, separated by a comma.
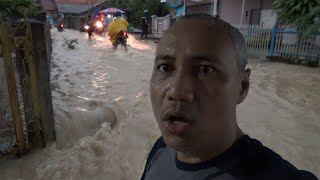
[(255, 16)]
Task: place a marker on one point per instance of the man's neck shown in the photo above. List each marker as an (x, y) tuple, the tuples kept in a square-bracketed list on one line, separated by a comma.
[(215, 151)]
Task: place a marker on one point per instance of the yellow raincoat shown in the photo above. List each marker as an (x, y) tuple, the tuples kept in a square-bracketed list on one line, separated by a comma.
[(119, 24)]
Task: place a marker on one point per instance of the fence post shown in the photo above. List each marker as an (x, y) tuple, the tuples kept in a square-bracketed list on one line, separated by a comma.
[(42, 71), (273, 41), (7, 45), (153, 26)]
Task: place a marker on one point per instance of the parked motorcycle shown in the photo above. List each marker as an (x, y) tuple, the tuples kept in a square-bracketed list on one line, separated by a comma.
[(121, 39)]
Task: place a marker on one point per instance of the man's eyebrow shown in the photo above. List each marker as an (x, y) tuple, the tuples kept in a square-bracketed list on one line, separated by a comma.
[(164, 57)]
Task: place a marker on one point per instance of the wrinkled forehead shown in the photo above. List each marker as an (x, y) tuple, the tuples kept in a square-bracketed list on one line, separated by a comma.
[(194, 34)]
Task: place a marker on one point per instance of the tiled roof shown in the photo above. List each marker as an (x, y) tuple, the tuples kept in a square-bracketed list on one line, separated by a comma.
[(73, 8)]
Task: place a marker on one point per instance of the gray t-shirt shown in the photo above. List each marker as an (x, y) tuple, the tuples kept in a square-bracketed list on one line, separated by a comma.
[(246, 159)]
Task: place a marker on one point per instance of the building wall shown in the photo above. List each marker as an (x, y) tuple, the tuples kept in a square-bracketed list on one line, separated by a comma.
[(249, 6), (192, 3), (230, 10), (202, 8), (51, 13), (180, 11), (268, 18), (267, 4)]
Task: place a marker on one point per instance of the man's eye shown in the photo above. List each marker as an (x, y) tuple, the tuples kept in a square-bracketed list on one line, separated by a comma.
[(165, 68), (205, 69)]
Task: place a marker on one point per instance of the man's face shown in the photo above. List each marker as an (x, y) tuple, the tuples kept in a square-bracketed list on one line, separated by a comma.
[(196, 86)]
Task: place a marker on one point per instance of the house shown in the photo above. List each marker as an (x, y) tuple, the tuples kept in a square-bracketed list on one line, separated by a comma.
[(72, 11), (75, 7), (177, 5), (49, 7), (235, 11)]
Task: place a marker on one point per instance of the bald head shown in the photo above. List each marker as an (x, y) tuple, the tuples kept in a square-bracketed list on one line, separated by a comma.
[(211, 23)]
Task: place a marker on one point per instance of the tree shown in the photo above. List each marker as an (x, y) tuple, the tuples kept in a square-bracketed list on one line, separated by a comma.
[(135, 8), (298, 12), (18, 8)]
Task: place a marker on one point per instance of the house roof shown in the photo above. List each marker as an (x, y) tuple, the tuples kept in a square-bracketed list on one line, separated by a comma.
[(72, 8), (48, 5)]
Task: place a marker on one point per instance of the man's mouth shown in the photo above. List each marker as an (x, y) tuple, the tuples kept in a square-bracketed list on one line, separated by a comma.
[(177, 122)]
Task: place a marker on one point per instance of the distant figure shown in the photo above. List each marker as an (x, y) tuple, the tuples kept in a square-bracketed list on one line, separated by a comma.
[(145, 24), (60, 23), (90, 23)]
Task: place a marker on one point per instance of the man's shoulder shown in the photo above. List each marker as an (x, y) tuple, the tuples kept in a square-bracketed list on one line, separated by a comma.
[(159, 144), (264, 163)]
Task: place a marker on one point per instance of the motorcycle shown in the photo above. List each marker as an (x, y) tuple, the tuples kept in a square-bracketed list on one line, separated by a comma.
[(99, 28), (121, 39), (86, 27), (60, 27)]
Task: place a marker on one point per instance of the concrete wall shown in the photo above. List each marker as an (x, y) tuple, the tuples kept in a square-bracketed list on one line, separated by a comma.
[(230, 10), (268, 18), (267, 4), (159, 25), (202, 8)]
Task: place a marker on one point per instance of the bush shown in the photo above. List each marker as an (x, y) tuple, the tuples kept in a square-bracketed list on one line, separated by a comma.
[(70, 43), (19, 8)]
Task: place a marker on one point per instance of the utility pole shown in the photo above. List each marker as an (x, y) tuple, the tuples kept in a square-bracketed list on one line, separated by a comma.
[(214, 7), (242, 11)]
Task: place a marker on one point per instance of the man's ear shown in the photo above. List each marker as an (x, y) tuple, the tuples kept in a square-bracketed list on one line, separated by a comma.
[(245, 84)]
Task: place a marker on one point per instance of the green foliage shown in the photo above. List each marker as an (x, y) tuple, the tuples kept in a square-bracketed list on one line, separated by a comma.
[(135, 8), (19, 8), (298, 12), (308, 21)]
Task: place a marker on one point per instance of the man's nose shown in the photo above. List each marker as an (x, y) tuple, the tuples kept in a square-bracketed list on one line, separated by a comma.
[(181, 88)]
